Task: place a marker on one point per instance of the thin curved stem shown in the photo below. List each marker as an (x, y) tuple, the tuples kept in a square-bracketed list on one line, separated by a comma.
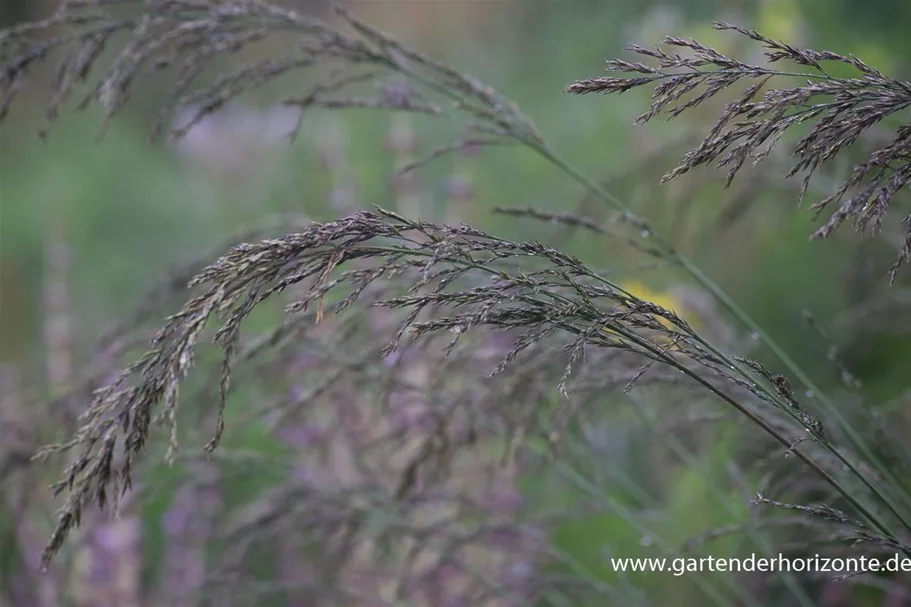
[(728, 303), (718, 293)]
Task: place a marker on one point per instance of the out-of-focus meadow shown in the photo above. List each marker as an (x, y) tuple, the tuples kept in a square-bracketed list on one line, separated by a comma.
[(91, 229)]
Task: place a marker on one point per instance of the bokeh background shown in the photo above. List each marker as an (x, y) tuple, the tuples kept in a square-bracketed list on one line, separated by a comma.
[(89, 227)]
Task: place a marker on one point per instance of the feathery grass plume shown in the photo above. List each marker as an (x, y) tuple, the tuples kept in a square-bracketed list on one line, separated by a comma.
[(128, 335), (839, 110), (446, 280), (434, 281), (484, 108), (189, 35)]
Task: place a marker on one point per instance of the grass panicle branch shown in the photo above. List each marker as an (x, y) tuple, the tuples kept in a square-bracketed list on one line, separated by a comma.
[(451, 281), (189, 35), (839, 110), (446, 280)]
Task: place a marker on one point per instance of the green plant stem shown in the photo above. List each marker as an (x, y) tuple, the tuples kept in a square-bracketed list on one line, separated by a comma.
[(716, 291), (726, 301), (752, 530), (831, 409), (662, 355), (597, 493), (871, 516)]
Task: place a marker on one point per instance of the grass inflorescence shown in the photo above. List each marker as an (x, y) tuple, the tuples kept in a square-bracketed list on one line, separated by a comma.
[(506, 344)]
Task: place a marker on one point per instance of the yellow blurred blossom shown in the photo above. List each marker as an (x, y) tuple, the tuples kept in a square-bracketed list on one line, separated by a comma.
[(664, 299)]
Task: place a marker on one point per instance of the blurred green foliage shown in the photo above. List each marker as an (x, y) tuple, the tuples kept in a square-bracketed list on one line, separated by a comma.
[(132, 211)]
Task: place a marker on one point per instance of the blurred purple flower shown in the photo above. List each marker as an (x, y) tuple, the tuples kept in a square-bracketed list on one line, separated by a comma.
[(412, 417), (176, 519), (471, 148), (232, 139), (502, 500), (460, 188), (303, 434)]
